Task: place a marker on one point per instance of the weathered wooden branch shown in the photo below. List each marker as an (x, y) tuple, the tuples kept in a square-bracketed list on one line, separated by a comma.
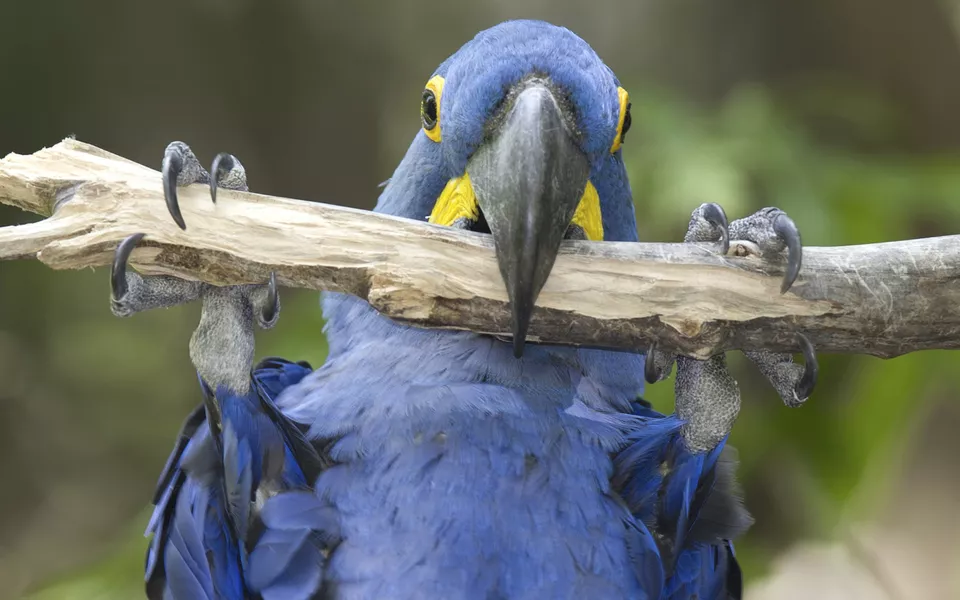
[(880, 299)]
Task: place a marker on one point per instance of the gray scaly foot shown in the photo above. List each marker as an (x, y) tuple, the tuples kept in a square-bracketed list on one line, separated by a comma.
[(707, 396), (768, 233), (222, 346)]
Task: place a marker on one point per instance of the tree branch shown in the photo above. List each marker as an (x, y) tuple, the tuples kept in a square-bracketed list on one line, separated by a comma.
[(880, 299)]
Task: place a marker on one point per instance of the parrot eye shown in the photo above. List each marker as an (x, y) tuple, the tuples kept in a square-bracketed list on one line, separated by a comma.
[(627, 121), (428, 110), (623, 124), (430, 107)]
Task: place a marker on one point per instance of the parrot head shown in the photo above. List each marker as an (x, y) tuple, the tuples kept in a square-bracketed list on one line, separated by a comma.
[(520, 137)]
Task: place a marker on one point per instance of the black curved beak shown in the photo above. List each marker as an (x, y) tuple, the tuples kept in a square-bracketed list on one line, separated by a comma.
[(528, 177)]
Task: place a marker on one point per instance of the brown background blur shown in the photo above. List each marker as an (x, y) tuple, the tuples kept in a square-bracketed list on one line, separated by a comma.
[(846, 113)]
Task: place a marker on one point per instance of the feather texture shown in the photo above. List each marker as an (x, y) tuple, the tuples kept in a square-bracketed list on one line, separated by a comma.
[(205, 517), (691, 502)]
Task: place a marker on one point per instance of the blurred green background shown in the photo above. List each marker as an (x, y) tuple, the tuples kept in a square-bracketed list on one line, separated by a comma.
[(845, 113)]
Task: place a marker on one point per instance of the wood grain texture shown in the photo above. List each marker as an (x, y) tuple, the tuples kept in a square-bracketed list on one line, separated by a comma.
[(880, 299)]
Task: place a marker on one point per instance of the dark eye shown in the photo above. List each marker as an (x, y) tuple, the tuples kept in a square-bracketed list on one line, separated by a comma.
[(627, 120), (428, 110)]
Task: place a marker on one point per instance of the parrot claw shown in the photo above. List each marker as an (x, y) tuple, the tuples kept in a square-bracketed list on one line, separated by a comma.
[(170, 171), (793, 383), (650, 373), (270, 307), (657, 366), (273, 303), (181, 167), (118, 270), (811, 370), (772, 231), (769, 232), (708, 223), (787, 231), (131, 293), (227, 173)]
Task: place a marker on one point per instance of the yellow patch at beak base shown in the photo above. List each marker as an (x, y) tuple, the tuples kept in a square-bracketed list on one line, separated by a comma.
[(458, 201), (588, 215)]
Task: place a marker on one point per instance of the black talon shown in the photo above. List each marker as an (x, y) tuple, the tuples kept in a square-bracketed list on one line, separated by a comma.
[(118, 271), (273, 300), (222, 164), (787, 231), (809, 380), (650, 367), (714, 215), (172, 165)]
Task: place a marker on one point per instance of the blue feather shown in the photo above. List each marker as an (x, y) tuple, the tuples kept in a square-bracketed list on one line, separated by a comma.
[(287, 561), (301, 579), (670, 488), (238, 479), (187, 572), (202, 520), (222, 547), (273, 554), (293, 511)]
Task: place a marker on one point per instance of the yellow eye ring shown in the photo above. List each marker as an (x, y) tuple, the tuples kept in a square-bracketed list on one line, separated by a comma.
[(430, 108), (623, 124)]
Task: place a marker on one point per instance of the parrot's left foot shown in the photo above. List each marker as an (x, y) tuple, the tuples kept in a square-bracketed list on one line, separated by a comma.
[(766, 233), (707, 396)]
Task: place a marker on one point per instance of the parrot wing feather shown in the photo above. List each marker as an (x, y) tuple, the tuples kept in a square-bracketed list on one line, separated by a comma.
[(206, 505), (689, 502)]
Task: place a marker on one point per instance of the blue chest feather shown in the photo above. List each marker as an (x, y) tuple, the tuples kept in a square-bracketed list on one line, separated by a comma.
[(462, 472), (491, 473)]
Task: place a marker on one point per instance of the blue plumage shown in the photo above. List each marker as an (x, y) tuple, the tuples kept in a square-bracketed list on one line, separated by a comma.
[(202, 522), (436, 464), (690, 500)]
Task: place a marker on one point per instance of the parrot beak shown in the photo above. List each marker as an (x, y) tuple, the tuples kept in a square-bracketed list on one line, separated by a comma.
[(528, 177)]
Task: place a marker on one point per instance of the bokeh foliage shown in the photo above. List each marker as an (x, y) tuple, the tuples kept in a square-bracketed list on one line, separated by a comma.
[(807, 472)]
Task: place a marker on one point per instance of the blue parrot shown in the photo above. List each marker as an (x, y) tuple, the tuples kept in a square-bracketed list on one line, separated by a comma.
[(420, 463)]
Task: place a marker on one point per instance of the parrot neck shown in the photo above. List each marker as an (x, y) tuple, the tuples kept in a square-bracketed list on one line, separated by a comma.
[(604, 380)]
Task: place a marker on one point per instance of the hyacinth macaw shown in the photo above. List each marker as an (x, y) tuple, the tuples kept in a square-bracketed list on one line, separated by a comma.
[(423, 463)]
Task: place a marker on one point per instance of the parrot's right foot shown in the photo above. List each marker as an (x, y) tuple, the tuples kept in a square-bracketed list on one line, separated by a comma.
[(131, 293), (180, 167), (222, 347)]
